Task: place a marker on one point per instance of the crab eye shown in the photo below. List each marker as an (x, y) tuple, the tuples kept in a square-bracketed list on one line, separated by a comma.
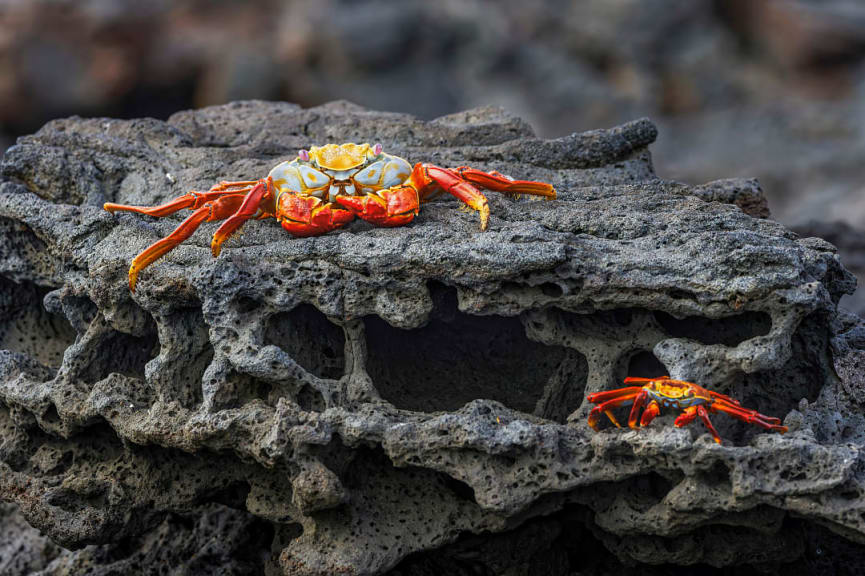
[(303, 155), (376, 149)]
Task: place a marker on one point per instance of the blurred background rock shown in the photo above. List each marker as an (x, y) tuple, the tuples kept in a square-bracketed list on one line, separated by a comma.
[(767, 88)]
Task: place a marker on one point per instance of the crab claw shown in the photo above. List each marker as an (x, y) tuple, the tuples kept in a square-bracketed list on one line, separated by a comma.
[(389, 207), (309, 216)]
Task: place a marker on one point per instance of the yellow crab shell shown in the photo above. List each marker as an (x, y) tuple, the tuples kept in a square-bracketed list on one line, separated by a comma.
[(341, 156)]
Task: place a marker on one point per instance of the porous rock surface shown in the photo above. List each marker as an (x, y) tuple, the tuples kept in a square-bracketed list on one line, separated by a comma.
[(412, 398)]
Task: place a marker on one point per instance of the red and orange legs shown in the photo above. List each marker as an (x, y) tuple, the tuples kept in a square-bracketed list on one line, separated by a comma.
[(724, 398), (750, 416), (691, 414), (399, 205), (310, 216), (260, 200), (191, 200), (501, 183), (389, 208), (598, 397), (179, 203), (608, 400), (236, 201), (704, 416), (639, 380), (650, 413), (639, 402), (686, 417), (215, 210), (428, 179)]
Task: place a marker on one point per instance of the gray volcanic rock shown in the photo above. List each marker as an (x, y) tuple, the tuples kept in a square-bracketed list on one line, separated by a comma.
[(396, 398), (851, 247)]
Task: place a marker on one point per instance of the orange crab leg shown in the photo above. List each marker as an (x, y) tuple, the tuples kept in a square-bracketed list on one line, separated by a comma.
[(500, 183), (686, 417), (428, 177), (690, 414), (650, 413), (598, 397), (606, 408), (179, 203), (725, 406), (639, 402), (192, 200), (224, 186), (704, 416), (638, 380), (719, 396), (751, 417), (217, 210), (248, 209)]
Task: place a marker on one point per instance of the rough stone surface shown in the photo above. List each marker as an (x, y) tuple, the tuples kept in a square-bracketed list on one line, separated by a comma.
[(851, 247), (378, 399), (739, 88)]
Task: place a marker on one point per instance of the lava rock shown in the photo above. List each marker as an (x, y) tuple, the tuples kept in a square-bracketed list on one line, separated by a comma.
[(372, 396)]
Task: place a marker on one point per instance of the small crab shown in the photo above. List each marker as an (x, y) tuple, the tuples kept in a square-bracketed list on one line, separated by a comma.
[(693, 400), (324, 188)]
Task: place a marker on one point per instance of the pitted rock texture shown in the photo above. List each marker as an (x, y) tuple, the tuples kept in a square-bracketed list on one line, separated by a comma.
[(378, 399)]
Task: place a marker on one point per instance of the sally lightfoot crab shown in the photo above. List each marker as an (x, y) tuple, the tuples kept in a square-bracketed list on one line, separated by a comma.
[(664, 392), (324, 188)]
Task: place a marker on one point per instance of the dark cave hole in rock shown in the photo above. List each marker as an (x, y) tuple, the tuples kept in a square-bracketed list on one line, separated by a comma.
[(79, 310), (551, 289), (729, 331), (404, 500), (719, 473), (310, 399), (647, 490), (462, 490), (777, 392), (565, 389), (121, 353), (313, 341), (232, 494), (50, 416), (621, 317), (456, 358), (190, 353), (644, 364), (28, 328), (97, 442), (245, 305), (238, 389)]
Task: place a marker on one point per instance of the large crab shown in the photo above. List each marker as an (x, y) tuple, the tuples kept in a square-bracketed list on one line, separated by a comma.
[(693, 400), (324, 188)]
